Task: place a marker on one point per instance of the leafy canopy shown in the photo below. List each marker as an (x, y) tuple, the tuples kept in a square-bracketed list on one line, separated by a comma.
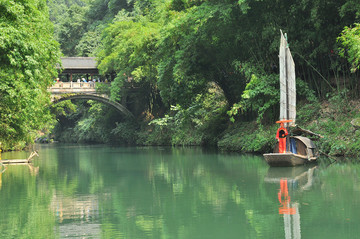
[(350, 41), (28, 56)]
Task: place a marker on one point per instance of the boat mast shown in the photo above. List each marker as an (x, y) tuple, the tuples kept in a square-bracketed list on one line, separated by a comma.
[(287, 95), (287, 85), (286, 81), (283, 79)]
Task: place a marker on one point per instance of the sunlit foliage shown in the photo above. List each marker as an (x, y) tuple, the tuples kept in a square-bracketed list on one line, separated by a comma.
[(350, 40), (175, 49), (28, 56)]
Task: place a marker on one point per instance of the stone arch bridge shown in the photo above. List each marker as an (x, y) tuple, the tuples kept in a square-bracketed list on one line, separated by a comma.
[(97, 97), (84, 88)]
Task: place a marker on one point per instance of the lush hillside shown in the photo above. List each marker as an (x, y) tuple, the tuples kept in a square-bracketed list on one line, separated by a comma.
[(207, 63)]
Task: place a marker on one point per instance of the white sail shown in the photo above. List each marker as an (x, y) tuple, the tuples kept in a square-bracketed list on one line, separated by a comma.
[(287, 83), (283, 83)]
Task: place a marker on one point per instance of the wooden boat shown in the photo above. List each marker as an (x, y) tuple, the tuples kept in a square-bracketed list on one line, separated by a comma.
[(305, 153), (299, 150)]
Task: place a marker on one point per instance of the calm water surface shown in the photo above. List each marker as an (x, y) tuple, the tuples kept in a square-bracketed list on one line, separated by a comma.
[(76, 191)]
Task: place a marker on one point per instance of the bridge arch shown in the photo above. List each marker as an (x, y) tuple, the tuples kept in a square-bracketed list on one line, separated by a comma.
[(119, 107)]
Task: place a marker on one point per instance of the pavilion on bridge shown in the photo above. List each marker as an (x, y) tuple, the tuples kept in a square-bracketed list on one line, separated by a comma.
[(80, 67)]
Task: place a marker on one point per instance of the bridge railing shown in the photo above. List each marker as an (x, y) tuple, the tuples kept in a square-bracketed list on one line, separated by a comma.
[(74, 85)]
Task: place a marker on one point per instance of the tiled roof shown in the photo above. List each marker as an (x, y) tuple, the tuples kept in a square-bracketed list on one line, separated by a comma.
[(78, 63)]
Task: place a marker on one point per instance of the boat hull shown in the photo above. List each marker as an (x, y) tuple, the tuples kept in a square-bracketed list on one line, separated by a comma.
[(285, 159)]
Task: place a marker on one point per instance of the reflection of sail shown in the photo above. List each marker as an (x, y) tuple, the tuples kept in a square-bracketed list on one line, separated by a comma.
[(299, 179), (292, 223), (290, 212), (287, 82)]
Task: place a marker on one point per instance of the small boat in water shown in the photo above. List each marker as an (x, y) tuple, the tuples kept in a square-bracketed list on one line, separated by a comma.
[(302, 151), (290, 150)]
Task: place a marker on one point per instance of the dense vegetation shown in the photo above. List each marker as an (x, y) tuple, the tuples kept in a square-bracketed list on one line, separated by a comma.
[(208, 69), (28, 55), (205, 63)]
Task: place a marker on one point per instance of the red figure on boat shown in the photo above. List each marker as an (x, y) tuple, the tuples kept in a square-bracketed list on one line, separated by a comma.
[(281, 135)]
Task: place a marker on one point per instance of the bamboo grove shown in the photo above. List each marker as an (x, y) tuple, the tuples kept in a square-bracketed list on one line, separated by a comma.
[(184, 52)]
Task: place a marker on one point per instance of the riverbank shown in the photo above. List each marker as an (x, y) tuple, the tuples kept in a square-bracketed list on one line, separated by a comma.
[(207, 124), (334, 119)]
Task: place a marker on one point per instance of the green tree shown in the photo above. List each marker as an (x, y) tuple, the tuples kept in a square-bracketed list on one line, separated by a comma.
[(28, 56), (350, 41), (78, 23), (128, 50), (88, 44), (198, 46), (71, 29)]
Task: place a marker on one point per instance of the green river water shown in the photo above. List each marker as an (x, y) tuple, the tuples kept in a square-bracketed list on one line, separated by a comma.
[(74, 191)]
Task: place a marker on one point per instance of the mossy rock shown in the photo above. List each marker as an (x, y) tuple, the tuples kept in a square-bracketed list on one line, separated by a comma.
[(356, 123)]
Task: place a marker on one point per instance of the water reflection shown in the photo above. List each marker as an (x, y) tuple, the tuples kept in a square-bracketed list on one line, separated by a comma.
[(291, 213), (32, 169), (296, 179), (77, 215), (80, 208), (24, 204), (2, 170), (112, 192)]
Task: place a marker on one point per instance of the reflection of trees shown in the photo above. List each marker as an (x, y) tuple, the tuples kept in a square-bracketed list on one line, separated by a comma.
[(185, 195), (333, 208), (165, 193), (153, 193), (24, 204), (253, 195), (158, 193)]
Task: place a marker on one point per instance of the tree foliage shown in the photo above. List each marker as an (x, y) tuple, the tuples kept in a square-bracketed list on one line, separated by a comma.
[(350, 41), (90, 121), (197, 42), (128, 49), (197, 47), (28, 55), (79, 23), (176, 48), (72, 29)]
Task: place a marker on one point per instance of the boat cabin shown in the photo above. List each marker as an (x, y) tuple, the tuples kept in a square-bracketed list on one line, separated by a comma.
[(302, 146)]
